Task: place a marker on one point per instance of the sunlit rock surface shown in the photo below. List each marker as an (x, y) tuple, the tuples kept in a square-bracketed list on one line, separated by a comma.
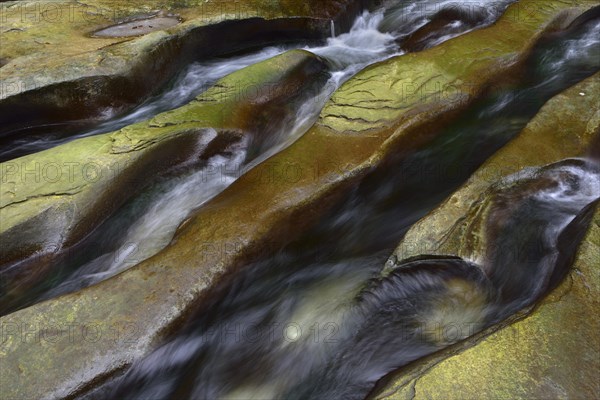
[(552, 353), (565, 127), (389, 92)]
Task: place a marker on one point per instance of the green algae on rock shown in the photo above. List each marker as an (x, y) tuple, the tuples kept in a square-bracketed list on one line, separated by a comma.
[(154, 296), (52, 199), (565, 127), (384, 93), (54, 70), (138, 27), (552, 353), (515, 360)]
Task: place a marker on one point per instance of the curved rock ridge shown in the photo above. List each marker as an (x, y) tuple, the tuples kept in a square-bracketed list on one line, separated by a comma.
[(52, 199), (516, 360), (390, 91), (565, 127), (54, 70), (552, 353), (267, 207)]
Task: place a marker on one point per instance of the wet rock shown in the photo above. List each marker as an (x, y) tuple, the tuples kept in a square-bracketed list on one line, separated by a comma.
[(379, 111), (453, 73), (552, 353), (449, 21), (58, 72), (530, 358), (51, 200), (579, 120)]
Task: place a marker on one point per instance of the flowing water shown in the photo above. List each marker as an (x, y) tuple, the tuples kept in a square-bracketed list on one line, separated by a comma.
[(150, 220), (196, 78), (373, 37), (317, 320), (313, 326)]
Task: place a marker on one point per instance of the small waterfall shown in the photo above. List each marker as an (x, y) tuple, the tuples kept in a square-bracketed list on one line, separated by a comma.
[(174, 201), (366, 42), (316, 319), (523, 261), (362, 45), (335, 329)]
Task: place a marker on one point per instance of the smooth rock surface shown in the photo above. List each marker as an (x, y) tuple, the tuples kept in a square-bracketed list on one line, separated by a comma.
[(137, 27), (54, 69), (268, 206), (552, 353), (51, 200), (385, 93), (565, 127)]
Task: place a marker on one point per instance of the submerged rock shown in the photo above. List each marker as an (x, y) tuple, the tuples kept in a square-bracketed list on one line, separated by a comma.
[(386, 107), (532, 358), (51, 200)]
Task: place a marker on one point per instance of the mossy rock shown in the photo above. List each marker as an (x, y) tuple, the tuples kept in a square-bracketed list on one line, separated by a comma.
[(55, 69), (388, 92), (268, 206), (52, 199), (552, 353), (566, 126)]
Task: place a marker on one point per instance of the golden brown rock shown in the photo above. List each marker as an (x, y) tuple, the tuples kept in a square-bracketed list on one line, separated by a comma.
[(52, 199), (270, 205), (553, 353), (55, 69)]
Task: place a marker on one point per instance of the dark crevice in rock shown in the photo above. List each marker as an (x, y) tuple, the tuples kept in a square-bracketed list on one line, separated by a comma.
[(569, 241), (94, 235), (448, 21)]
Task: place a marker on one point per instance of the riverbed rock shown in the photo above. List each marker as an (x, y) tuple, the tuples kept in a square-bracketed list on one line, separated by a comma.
[(448, 21), (552, 353), (381, 110), (567, 126), (52, 199), (71, 59), (451, 73)]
